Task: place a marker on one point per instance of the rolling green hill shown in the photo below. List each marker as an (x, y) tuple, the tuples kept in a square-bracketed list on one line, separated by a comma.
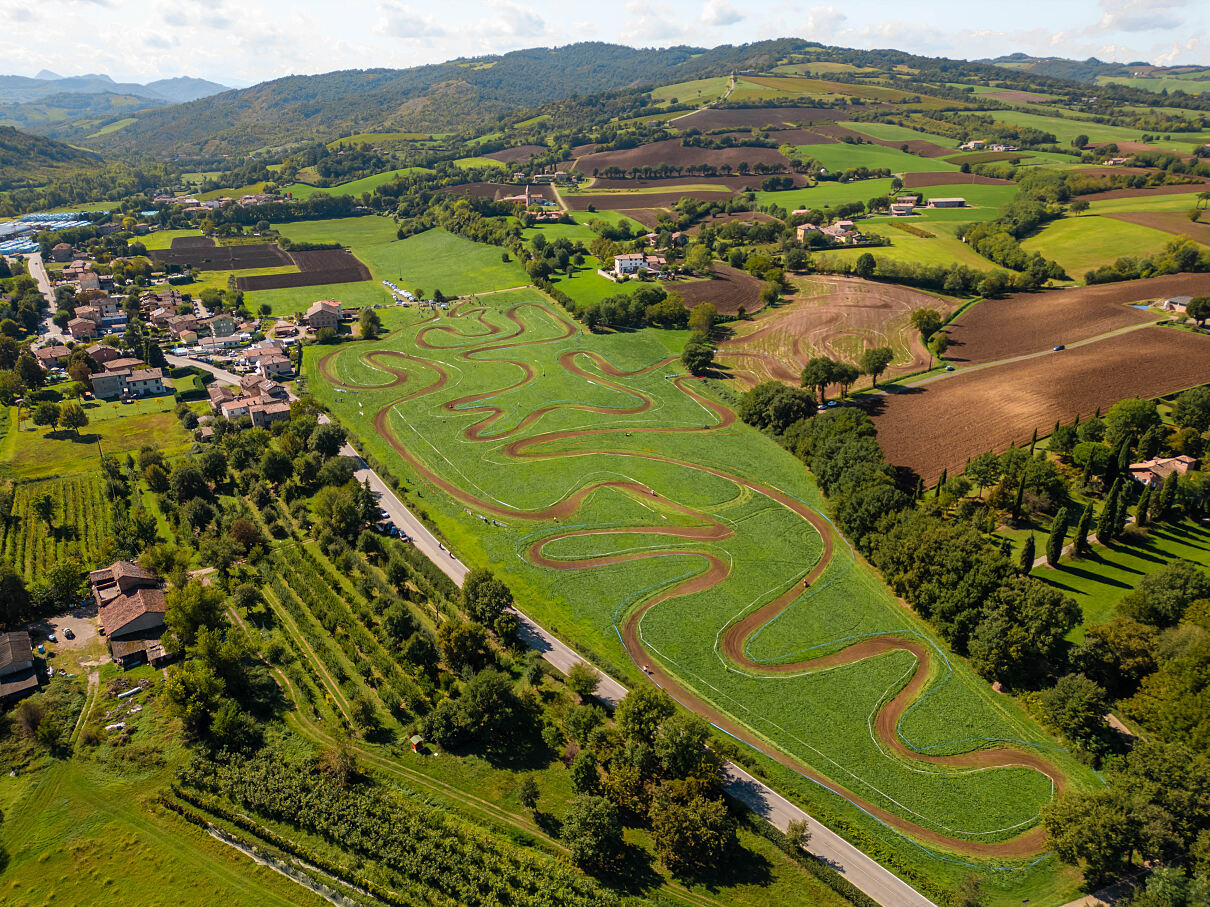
[(30, 160)]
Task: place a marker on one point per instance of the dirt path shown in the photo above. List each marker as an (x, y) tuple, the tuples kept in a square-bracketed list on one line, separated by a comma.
[(704, 528), (329, 682), (90, 700)]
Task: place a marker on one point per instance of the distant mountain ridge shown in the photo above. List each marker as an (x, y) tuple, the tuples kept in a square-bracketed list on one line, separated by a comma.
[(178, 90), (1087, 71)]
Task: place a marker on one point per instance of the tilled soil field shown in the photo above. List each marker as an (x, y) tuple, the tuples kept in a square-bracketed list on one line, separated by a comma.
[(1026, 323), (628, 201), (942, 424), (924, 180), (734, 183), (1179, 189), (201, 252), (672, 152), (315, 269), (1013, 96), (830, 316), (1170, 222), (760, 117), (728, 290), (517, 155)]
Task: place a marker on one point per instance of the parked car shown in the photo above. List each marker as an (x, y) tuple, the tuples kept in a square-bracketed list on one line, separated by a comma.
[(51, 637), (949, 368), (68, 633), (1060, 347)]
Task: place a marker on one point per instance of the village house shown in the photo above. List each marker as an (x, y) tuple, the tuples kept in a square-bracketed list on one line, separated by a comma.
[(61, 252), (89, 281), (52, 356), (947, 203), (803, 231), (132, 608), (18, 676), (1153, 472), (218, 325), (82, 328), (260, 399), (76, 269), (1177, 304), (274, 365), (128, 378), (102, 354), (844, 232), (323, 314), (91, 312), (900, 209), (177, 324), (972, 145), (633, 262)]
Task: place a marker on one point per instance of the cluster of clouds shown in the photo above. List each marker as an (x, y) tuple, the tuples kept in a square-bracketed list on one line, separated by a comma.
[(245, 43)]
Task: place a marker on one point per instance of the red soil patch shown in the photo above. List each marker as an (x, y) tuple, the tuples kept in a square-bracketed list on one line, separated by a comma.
[(922, 147), (1013, 96), (728, 290), (517, 155), (922, 180), (759, 117), (942, 424), (828, 312), (499, 190), (1033, 322), (673, 153), (1170, 222), (1146, 193), (629, 200)]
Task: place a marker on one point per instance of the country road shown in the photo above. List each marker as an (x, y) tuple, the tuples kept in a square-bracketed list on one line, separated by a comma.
[(47, 327)]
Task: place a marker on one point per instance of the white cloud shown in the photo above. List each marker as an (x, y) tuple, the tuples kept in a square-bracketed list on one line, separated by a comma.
[(400, 21), (718, 13), (821, 22), (1138, 16), (516, 21)]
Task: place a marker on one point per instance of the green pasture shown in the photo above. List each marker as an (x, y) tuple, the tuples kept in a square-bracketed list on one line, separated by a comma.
[(431, 260), (698, 90), (826, 194), (612, 217), (842, 156), (291, 300), (34, 452), (378, 138), (468, 162), (355, 187), (891, 132), (687, 188), (1089, 241), (1193, 83), (819, 716), (250, 189), (576, 232), (942, 249), (1100, 580), (162, 239), (1178, 201)]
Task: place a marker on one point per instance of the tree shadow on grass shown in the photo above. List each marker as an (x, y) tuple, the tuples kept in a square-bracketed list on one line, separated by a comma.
[(1051, 578), (1180, 535), (739, 867), (66, 434), (633, 873)]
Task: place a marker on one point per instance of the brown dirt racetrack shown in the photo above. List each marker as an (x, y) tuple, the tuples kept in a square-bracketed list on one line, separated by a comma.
[(939, 425), (1032, 322), (485, 337)]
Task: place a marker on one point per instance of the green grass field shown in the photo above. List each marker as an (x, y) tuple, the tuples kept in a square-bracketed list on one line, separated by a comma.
[(1089, 241), (942, 249), (842, 156), (891, 132), (468, 162), (699, 91), (820, 717), (1098, 582), (355, 187), (33, 452), (162, 239), (826, 194), (1180, 202)]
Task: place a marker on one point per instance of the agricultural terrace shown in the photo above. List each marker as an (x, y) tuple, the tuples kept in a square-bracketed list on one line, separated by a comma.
[(81, 523), (842, 156), (647, 484), (355, 187), (829, 316), (942, 423)]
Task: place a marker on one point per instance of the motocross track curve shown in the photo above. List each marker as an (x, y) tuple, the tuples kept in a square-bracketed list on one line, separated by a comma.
[(486, 338)]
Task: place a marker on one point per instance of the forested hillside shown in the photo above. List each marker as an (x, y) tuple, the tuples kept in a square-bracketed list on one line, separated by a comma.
[(30, 160)]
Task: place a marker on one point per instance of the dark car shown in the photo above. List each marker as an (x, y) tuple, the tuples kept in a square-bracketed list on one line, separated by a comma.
[(1059, 347), (68, 633)]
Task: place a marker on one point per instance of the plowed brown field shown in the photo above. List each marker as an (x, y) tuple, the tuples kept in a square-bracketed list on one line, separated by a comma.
[(517, 154), (943, 423), (1170, 222), (626, 201), (734, 183), (729, 289), (922, 147), (1179, 189), (1032, 322), (672, 152), (831, 316)]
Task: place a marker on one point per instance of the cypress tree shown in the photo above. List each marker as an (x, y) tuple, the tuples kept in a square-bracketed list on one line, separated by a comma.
[(1109, 514), (919, 488), (1121, 514), (1082, 528), (1006, 548), (1124, 457), (1058, 535), (1141, 513), (1020, 498), (1167, 495), (1087, 473), (1033, 442), (941, 482), (1026, 563)]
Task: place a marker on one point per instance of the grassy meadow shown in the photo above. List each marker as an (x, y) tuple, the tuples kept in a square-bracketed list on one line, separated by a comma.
[(820, 717)]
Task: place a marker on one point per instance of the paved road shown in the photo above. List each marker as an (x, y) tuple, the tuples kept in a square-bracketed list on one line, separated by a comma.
[(37, 270), (863, 871)]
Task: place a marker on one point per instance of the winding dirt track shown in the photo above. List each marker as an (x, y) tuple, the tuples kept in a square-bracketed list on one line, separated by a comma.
[(488, 338)]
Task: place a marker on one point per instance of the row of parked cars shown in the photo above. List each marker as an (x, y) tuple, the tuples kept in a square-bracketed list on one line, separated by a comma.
[(386, 527)]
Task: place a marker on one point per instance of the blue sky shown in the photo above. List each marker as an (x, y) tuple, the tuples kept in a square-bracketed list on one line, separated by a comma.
[(242, 43)]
